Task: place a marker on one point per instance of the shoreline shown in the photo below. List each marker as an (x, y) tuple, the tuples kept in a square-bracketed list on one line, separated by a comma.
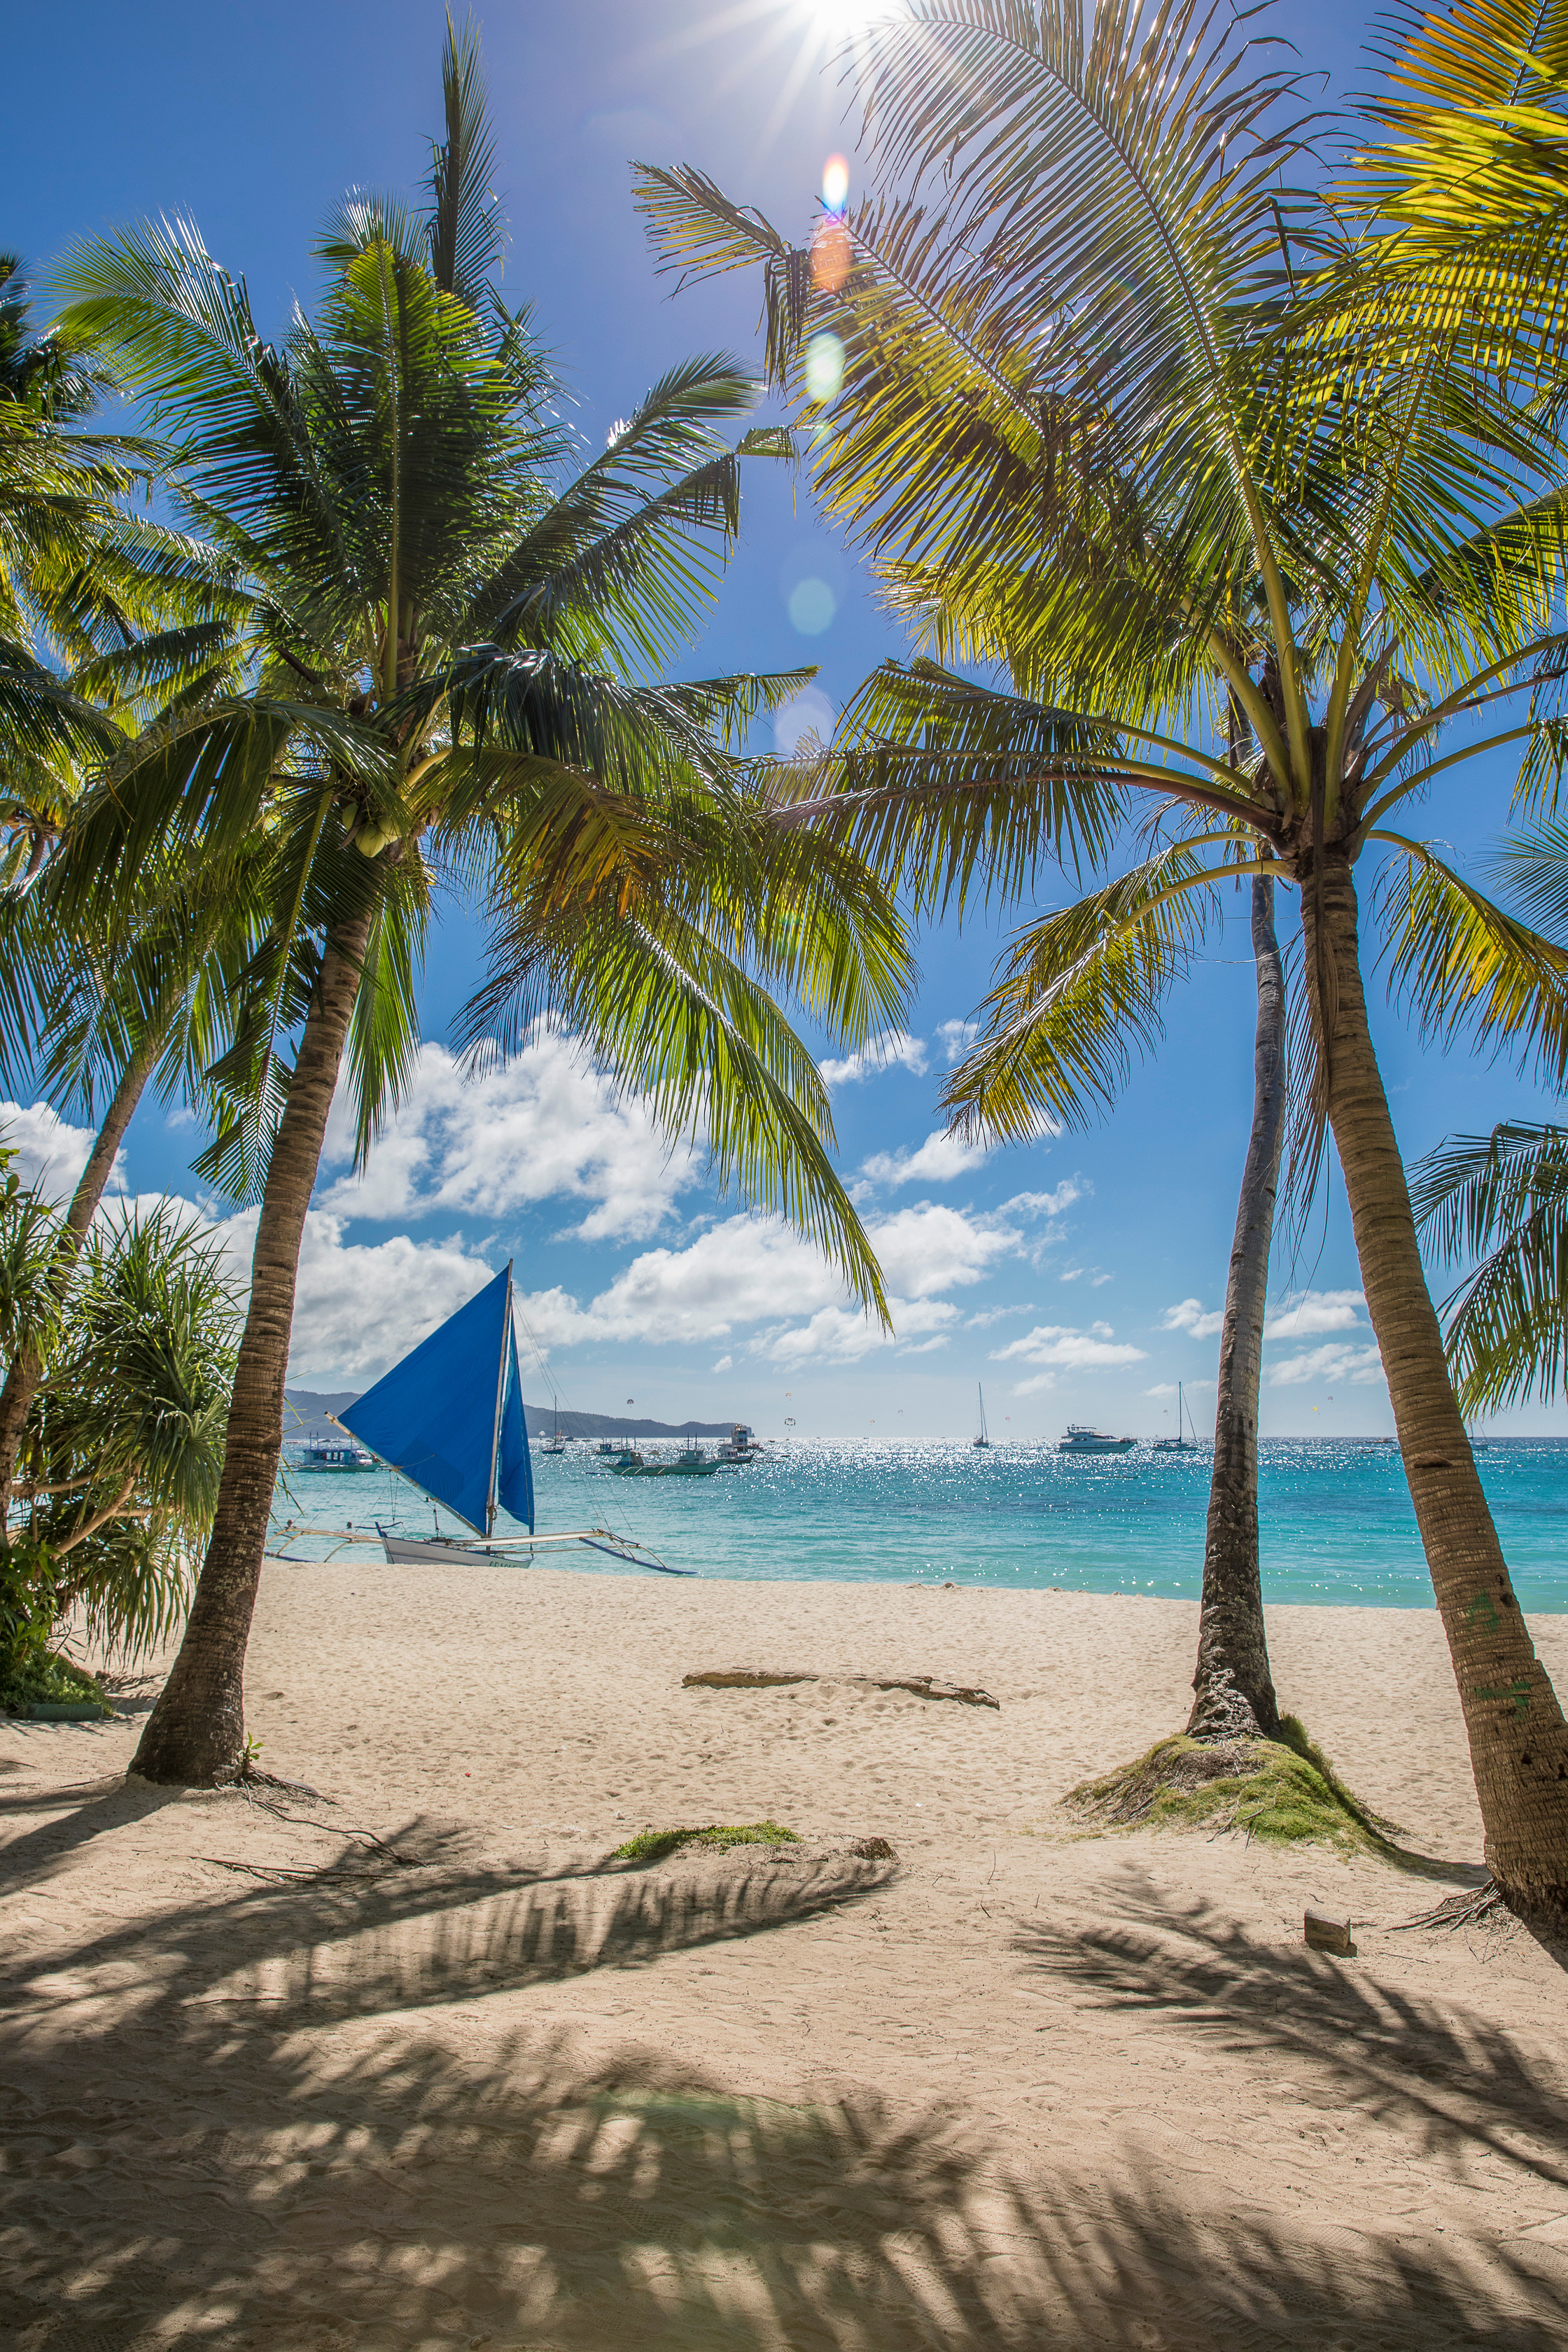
[(876, 1582)]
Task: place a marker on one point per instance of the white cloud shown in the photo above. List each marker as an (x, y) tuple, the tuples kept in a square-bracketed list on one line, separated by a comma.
[(1168, 1387), (930, 1248), (937, 1160), (755, 1271), (360, 1305), (725, 1364), (1361, 1367), (895, 1051), (50, 1152), (1056, 1343), (839, 1335), (1304, 1312), (1191, 1316), (547, 1125), (809, 713), (955, 1038)]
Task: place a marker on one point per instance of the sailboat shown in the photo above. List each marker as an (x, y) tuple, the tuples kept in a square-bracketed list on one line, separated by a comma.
[(1179, 1443), (983, 1439), (449, 1418), (556, 1445)]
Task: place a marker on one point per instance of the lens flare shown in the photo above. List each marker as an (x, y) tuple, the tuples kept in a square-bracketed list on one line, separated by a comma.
[(812, 605), (824, 368), (830, 255), (835, 183)]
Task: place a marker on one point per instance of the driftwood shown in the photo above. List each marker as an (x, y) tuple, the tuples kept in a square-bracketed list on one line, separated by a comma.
[(760, 1678)]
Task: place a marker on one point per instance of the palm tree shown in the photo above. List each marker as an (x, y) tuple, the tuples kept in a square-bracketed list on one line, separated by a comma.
[(456, 674), (1233, 1690), (62, 525), (137, 623), (88, 1023), (1097, 424)]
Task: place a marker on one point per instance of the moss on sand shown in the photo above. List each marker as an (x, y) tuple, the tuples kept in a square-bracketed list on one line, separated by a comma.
[(1282, 1791), (654, 1846)]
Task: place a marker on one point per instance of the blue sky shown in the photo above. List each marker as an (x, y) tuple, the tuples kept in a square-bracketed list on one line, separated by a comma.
[(1077, 1279)]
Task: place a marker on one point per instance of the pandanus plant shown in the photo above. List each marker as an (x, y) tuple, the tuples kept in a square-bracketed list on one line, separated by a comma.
[(1121, 419), (458, 677)]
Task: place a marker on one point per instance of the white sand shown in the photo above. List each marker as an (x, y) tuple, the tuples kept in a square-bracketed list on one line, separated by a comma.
[(1021, 2088)]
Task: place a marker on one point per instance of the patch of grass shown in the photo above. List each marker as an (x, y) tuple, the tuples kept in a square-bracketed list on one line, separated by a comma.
[(653, 1846), (49, 1680), (1281, 1792)]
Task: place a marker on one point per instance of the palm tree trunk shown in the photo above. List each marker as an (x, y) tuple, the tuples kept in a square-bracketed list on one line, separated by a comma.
[(1518, 1741), (1235, 1691), (28, 1366), (196, 1733)]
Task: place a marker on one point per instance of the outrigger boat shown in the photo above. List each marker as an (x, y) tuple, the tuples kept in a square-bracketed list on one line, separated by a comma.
[(449, 1418), (692, 1463)]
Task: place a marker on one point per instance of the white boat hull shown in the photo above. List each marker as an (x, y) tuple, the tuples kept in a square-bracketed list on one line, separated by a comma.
[(410, 1551)]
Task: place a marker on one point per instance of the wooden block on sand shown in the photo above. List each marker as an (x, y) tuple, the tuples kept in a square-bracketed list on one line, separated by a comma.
[(1326, 1935)]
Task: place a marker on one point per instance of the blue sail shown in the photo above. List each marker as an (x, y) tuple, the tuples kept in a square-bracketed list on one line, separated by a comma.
[(434, 1416), (514, 1476)]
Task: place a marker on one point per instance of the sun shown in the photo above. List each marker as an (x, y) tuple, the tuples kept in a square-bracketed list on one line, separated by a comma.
[(782, 42)]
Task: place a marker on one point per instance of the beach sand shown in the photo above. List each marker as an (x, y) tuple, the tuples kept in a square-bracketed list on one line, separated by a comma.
[(270, 2084)]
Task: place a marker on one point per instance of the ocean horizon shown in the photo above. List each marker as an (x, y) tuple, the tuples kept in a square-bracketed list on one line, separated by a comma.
[(1336, 1522)]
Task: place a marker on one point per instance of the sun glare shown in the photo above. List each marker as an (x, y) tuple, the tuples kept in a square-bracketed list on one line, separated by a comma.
[(841, 17)]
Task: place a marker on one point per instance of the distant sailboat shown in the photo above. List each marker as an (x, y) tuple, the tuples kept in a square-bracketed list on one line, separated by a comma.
[(983, 1439), (1179, 1443), (557, 1444)]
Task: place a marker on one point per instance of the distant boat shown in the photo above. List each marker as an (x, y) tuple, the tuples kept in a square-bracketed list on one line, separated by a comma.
[(740, 1446), (1478, 1444), (320, 1453), (449, 1418), (1177, 1444), (556, 1444), (1081, 1439), (692, 1464), (985, 1437)]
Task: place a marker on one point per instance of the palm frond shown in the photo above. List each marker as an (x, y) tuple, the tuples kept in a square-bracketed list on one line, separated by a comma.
[(1462, 962), (1078, 992)]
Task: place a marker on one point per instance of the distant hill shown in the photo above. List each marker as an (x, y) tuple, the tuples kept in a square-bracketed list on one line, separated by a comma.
[(312, 1406)]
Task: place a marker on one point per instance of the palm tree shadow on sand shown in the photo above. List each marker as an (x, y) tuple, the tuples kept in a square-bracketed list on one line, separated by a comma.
[(240, 2148)]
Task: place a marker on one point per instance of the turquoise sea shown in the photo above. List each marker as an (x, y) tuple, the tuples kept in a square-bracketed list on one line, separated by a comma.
[(1337, 1524)]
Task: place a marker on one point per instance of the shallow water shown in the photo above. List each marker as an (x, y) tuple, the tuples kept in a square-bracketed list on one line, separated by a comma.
[(1337, 1524)]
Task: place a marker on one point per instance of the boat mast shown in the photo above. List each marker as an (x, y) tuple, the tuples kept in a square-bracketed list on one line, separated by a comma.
[(500, 1400)]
